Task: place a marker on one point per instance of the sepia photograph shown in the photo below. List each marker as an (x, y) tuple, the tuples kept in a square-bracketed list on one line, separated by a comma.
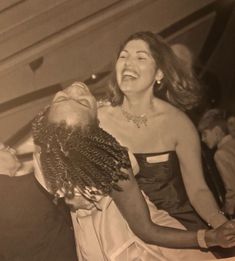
[(117, 130)]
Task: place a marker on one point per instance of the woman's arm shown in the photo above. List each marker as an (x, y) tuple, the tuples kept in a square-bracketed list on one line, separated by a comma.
[(134, 209), (25, 147), (189, 153)]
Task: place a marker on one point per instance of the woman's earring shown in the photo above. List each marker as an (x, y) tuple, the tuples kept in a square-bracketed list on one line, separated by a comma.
[(158, 81)]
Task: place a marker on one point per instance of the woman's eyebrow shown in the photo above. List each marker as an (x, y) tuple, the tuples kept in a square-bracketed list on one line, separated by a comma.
[(138, 52), (123, 51), (60, 99), (144, 52)]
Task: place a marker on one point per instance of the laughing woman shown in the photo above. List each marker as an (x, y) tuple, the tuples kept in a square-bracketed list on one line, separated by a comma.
[(150, 90)]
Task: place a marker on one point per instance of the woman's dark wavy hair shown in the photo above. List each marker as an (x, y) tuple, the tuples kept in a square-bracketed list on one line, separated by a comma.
[(178, 86), (71, 157)]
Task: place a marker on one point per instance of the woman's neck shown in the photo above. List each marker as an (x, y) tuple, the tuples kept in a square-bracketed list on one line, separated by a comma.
[(138, 105)]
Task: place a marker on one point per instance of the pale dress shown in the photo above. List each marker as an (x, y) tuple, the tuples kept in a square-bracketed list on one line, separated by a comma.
[(104, 235)]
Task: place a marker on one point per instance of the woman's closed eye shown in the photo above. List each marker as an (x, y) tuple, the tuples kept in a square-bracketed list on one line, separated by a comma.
[(123, 55), (61, 99), (83, 102), (141, 58)]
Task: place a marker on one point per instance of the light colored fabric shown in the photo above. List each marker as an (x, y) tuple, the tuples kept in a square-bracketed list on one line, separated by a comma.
[(105, 236)]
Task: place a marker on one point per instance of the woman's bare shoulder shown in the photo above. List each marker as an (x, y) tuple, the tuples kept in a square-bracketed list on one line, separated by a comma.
[(175, 117)]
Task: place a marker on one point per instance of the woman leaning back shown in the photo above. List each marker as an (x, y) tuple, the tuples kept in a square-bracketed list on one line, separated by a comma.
[(76, 158)]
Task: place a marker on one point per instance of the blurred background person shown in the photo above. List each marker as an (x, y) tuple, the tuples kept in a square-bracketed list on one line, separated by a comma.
[(214, 133), (210, 85), (32, 226), (230, 117)]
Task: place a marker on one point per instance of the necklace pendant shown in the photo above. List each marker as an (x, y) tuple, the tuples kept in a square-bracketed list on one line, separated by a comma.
[(138, 120)]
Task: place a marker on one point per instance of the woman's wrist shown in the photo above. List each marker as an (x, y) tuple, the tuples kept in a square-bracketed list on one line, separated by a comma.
[(201, 238), (210, 238), (217, 219)]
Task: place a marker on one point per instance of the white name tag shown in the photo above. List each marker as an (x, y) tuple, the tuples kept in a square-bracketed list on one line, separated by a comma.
[(157, 158)]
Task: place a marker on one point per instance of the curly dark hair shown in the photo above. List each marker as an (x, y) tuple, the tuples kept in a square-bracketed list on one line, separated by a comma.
[(179, 86), (73, 157)]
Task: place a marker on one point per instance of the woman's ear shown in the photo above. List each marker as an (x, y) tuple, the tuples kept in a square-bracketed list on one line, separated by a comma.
[(159, 75)]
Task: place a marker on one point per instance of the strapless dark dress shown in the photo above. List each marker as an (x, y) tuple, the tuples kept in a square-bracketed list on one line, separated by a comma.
[(161, 180)]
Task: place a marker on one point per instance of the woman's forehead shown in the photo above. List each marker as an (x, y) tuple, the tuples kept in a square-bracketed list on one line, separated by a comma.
[(138, 45), (63, 110), (70, 113)]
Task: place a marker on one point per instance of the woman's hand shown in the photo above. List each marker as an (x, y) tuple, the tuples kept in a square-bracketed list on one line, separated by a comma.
[(223, 236), (229, 207), (9, 163), (79, 202)]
